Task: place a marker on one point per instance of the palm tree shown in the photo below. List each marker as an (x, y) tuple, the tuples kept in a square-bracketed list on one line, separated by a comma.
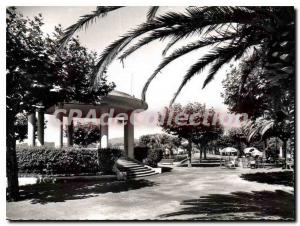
[(232, 32), (264, 128)]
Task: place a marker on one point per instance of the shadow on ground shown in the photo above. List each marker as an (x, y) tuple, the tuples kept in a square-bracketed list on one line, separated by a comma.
[(60, 192), (165, 169), (256, 205), (283, 177)]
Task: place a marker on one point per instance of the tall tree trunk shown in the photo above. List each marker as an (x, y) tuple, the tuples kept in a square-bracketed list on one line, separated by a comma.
[(284, 152), (200, 155), (189, 149), (292, 124), (200, 152), (204, 153), (11, 160)]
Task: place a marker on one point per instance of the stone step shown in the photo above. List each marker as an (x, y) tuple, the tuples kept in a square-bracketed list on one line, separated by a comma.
[(129, 176), (131, 167), (141, 173), (135, 170)]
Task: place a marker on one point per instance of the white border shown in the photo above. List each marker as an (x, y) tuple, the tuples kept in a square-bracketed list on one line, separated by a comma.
[(5, 3)]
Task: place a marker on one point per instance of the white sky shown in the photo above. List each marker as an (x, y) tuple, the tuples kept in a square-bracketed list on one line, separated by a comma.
[(138, 66)]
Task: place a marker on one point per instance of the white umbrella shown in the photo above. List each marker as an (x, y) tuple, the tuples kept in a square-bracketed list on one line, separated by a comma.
[(256, 153), (250, 150), (229, 150)]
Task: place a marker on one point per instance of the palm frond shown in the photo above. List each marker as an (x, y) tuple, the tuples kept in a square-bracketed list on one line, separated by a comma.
[(219, 55), (178, 32), (111, 52), (84, 21), (179, 53), (152, 12), (170, 44), (226, 55), (196, 68), (174, 24)]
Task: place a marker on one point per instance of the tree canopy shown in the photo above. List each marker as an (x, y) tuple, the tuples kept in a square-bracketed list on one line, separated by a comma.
[(37, 75)]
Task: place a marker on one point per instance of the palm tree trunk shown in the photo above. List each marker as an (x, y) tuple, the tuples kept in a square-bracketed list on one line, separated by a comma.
[(11, 161), (204, 153)]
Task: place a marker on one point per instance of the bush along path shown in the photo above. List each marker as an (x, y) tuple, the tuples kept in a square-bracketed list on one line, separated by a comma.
[(66, 161)]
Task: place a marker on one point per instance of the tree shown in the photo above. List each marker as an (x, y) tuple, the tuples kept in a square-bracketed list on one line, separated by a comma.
[(253, 99), (267, 102), (85, 134), (36, 75), (193, 122), (264, 34), (163, 141)]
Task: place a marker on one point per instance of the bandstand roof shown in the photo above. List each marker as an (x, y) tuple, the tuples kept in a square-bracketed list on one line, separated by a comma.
[(119, 101)]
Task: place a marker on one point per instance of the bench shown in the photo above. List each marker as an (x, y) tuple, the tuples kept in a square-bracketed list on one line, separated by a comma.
[(167, 161)]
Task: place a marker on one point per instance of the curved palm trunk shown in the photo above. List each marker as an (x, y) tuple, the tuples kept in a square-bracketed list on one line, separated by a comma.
[(11, 161)]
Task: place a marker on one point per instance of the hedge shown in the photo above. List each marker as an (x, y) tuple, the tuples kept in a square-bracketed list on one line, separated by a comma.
[(49, 160)]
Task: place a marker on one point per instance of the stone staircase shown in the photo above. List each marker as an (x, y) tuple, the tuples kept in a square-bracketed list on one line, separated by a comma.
[(133, 168)]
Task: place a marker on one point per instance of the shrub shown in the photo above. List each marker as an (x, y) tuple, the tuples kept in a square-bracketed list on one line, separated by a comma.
[(140, 153), (154, 157), (107, 158), (50, 160)]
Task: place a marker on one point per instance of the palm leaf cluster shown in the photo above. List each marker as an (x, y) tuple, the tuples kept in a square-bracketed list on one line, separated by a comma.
[(232, 33)]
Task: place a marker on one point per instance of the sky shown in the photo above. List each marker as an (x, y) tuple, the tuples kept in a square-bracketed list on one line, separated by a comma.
[(131, 76)]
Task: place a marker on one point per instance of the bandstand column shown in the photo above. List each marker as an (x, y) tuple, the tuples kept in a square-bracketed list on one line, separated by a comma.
[(104, 128), (40, 126), (31, 129), (59, 136), (129, 136)]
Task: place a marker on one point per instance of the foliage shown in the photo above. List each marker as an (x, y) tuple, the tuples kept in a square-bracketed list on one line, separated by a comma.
[(107, 158), (154, 157), (253, 99), (165, 141), (140, 153), (159, 140), (21, 127), (205, 126), (49, 160), (85, 134), (264, 33), (36, 75)]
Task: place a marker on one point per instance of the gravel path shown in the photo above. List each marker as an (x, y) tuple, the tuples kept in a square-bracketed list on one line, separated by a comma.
[(173, 195)]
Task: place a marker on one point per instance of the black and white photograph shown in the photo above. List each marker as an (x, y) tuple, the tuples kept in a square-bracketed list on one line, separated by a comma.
[(182, 113)]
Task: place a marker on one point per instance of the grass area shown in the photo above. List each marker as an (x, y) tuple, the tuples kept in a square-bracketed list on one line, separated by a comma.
[(282, 178)]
